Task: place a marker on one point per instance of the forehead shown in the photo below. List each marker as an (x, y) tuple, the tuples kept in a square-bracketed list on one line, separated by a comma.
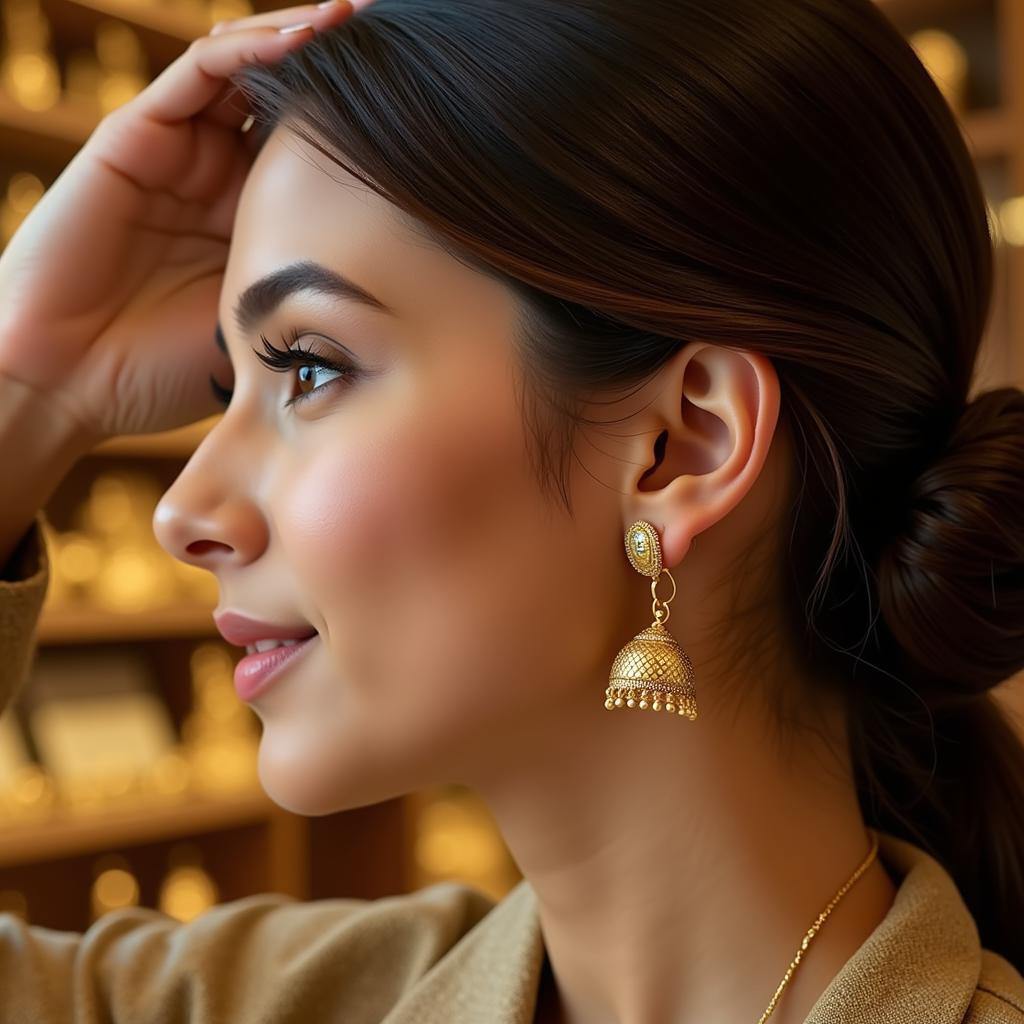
[(297, 205)]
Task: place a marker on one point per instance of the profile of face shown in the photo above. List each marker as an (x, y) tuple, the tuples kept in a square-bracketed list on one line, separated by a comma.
[(391, 507)]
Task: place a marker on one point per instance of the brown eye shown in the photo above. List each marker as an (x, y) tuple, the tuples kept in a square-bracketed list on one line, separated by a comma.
[(316, 371), (307, 376)]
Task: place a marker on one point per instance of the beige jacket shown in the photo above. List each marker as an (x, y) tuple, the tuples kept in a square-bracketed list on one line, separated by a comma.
[(446, 954)]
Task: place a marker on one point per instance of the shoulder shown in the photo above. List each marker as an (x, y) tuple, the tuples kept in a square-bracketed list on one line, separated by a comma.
[(359, 956), (999, 996), (265, 957), (418, 926)]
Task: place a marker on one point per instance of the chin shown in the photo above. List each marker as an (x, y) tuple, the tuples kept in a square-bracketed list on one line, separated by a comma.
[(298, 782)]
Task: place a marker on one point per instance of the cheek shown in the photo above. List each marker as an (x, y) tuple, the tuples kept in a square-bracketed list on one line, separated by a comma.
[(384, 536), (332, 519), (419, 554)]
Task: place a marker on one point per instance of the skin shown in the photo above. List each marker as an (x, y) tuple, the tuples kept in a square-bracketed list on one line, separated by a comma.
[(467, 624)]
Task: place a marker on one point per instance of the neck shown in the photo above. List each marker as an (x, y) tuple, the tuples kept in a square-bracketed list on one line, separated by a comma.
[(678, 865)]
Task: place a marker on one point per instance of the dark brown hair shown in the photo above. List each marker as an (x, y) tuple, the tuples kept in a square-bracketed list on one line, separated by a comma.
[(779, 177)]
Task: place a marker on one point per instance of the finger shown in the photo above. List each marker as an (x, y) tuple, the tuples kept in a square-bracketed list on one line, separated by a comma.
[(200, 75), (319, 14), (231, 110)]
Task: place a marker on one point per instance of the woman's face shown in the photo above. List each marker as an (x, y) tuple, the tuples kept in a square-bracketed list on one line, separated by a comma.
[(394, 511)]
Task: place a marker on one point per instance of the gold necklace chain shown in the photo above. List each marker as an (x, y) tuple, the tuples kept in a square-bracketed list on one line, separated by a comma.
[(812, 931)]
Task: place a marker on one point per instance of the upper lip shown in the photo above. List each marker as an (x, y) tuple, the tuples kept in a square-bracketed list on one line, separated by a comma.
[(239, 629)]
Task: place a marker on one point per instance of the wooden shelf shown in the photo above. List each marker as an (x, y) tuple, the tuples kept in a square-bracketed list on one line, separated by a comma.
[(51, 135), (989, 133), (86, 625), (64, 835), (909, 14), (157, 16)]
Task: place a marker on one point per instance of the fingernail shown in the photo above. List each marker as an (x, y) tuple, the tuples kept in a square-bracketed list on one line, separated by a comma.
[(327, 3), (295, 28)]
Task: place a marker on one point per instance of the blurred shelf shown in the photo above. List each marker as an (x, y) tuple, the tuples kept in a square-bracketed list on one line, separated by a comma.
[(176, 21), (989, 133), (912, 13), (54, 134), (59, 836), (86, 625), (164, 28), (173, 444)]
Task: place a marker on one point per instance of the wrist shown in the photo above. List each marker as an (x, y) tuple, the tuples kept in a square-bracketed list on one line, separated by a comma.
[(39, 443)]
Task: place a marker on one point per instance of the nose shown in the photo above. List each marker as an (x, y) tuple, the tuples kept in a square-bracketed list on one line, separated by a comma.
[(206, 518)]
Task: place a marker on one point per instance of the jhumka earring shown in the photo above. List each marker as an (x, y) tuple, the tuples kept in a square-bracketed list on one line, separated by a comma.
[(652, 670)]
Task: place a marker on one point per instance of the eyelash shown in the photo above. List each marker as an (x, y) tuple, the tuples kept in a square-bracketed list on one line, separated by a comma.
[(281, 360)]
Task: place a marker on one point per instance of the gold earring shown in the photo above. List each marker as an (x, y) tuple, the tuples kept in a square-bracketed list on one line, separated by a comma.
[(652, 670)]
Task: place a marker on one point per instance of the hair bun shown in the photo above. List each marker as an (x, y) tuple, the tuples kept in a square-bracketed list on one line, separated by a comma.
[(951, 585)]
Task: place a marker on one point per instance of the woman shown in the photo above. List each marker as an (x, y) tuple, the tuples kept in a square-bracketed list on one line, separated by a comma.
[(510, 305)]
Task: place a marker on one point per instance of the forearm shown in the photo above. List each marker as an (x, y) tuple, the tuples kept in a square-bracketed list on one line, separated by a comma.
[(37, 448)]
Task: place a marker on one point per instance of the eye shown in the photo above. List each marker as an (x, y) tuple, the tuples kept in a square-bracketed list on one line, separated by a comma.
[(308, 376), (308, 362), (313, 366)]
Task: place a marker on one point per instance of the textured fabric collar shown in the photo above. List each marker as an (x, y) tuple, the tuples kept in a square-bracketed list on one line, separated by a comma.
[(922, 961)]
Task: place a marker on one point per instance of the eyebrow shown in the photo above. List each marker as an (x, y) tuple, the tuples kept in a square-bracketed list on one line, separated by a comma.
[(262, 297)]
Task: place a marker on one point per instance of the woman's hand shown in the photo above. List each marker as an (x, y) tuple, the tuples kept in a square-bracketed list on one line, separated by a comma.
[(109, 288)]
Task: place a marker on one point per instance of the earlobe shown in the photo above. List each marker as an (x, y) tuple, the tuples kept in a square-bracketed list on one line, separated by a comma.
[(676, 541)]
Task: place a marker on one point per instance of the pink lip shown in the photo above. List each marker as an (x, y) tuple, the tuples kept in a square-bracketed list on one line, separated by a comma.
[(241, 630), (255, 673)]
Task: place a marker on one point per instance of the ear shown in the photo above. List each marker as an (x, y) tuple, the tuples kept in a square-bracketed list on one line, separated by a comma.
[(704, 440)]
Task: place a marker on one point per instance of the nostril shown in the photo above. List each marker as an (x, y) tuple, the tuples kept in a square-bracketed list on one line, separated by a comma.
[(202, 547)]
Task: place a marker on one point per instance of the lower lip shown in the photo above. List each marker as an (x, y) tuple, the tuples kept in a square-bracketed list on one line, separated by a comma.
[(255, 673)]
